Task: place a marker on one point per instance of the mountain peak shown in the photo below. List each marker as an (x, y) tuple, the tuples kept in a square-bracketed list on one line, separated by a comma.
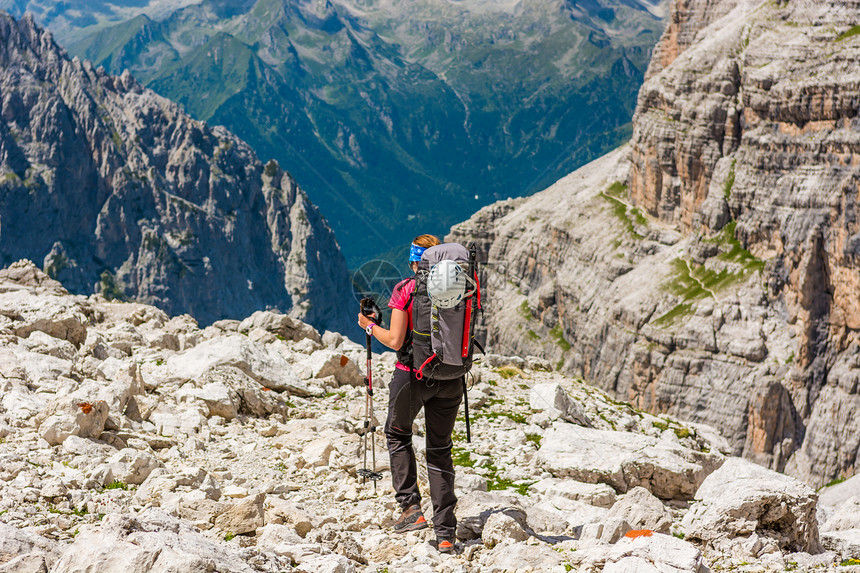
[(133, 198)]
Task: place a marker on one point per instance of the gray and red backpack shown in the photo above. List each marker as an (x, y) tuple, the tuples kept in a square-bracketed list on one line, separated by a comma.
[(442, 340)]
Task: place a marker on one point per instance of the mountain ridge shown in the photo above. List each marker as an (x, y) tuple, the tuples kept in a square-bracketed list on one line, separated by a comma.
[(134, 198), (384, 113)]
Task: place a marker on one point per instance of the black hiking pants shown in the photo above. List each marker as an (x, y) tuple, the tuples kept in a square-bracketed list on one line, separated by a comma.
[(440, 400)]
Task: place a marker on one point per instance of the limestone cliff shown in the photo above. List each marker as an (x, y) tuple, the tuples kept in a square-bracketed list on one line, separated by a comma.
[(710, 269), (115, 189)]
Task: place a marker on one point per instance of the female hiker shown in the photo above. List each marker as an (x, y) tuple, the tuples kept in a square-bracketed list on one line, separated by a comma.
[(440, 400)]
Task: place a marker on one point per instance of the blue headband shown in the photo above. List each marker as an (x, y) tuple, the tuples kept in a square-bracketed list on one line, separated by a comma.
[(415, 253)]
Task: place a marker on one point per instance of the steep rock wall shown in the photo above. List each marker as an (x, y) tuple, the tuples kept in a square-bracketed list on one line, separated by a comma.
[(746, 143), (113, 188)]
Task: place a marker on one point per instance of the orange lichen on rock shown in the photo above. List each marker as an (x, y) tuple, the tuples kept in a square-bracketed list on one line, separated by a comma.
[(85, 407)]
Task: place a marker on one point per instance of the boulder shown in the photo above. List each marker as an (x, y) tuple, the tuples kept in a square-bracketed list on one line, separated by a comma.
[(281, 325), (282, 512), (475, 508), (150, 542), (466, 482), (21, 548), (625, 460), (330, 563), (244, 516), (642, 511), (132, 466), (742, 499), (521, 557), (597, 494), (656, 552), (159, 483), (262, 363), (556, 515), (42, 343), (552, 399), (326, 362), (609, 530), (845, 516), (830, 498), (219, 400), (75, 417), (274, 536), (501, 528), (318, 452), (34, 368), (60, 316)]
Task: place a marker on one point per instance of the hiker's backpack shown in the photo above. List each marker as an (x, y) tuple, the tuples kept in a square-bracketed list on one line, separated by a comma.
[(443, 338)]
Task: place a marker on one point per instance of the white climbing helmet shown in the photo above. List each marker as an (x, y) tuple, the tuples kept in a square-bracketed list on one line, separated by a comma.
[(446, 284)]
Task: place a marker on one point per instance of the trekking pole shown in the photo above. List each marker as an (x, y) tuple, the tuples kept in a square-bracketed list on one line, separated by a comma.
[(369, 309), (466, 405)]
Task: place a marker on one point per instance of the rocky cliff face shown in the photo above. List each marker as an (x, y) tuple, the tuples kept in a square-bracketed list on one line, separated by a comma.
[(715, 275), (114, 189)]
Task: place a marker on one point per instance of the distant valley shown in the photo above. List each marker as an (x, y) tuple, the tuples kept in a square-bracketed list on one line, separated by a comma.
[(397, 117)]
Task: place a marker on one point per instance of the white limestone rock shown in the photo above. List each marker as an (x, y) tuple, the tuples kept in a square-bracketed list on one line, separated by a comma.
[(500, 528), (503, 558), (244, 516), (261, 362), (658, 553), (552, 399), (42, 343), (474, 509), (75, 417), (607, 531), (326, 362), (151, 542), (331, 563), (642, 511), (24, 550), (597, 494), (830, 498), (742, 499), (846, 516), (280, 325), (625, 460), (318, 452), (160, 482), (54, 313), (132, 466), (281, 512)]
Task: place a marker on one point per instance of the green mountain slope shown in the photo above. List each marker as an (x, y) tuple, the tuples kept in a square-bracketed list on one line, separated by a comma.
[(400, 117)]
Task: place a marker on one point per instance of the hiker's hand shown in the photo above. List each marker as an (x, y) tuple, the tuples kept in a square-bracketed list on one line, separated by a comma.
[(364, 321)]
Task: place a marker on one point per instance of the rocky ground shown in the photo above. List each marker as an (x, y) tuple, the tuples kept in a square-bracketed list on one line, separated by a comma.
[(132, 441)]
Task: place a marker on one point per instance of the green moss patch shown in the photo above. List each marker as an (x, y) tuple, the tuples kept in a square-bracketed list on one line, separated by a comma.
[(557, 334)]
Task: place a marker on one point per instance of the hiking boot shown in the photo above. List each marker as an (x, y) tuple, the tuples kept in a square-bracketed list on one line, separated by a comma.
[(412, 519), (445, 546)]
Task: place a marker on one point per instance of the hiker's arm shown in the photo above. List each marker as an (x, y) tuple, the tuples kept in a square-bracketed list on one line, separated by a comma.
[(392, 338)]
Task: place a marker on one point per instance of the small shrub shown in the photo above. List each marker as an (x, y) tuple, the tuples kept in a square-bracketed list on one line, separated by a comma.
[(557, 333), (271, 168), (228, 536), (730, 180), (117, 485), (535, 439), (508, 371), (525, 311), (662, 426)]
